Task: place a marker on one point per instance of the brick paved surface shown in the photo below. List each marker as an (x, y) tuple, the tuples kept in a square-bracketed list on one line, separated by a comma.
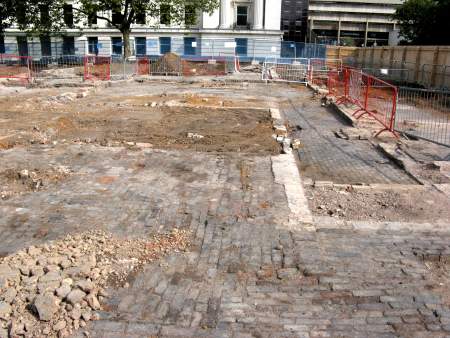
[(251, 281), (132, 192), (246, 274), (325, 157)]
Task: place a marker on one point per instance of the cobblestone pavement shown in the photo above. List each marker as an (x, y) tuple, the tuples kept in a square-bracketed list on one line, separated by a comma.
[(325, 157), (244, 280), (132, 192), (247, 274)]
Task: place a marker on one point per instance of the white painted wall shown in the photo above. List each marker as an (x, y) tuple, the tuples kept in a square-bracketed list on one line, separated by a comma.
[(211, 21), (273, 14)]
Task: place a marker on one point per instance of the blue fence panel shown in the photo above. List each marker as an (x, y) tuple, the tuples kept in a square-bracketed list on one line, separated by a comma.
[(290, 49)]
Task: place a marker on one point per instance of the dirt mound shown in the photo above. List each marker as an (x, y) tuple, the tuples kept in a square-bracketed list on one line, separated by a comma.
[(168, 63)]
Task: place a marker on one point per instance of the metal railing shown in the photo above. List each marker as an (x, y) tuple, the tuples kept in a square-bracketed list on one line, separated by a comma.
[(424, 114), (15, 67), (367, 95), (433, 76), (286, 70), (247, 48), (49, 67)]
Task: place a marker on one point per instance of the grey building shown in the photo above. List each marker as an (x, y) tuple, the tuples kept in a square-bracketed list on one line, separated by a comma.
[(353, 22), (294, 19)]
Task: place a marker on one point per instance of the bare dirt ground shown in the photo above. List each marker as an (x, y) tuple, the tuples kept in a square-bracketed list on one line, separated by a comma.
[(15, 180), (206, 124), (155, 209), (404, 205)]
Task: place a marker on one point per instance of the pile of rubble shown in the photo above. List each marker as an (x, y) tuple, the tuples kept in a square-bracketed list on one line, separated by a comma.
[(281, 133), (15, 181), (54, 289)]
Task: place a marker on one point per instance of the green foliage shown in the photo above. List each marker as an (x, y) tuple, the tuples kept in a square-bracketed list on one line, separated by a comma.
[(7, 14), (424, 22), (44, 16)]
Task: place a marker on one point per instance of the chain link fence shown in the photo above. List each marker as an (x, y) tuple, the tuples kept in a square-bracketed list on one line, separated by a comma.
[(406, 73), (425, 114), (62, 58)]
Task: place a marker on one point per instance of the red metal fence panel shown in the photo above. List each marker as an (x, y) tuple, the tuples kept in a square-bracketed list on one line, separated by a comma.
[(142, 66), (97, 67), (367, 94), (320, 69), (15, 67), (201, 66)]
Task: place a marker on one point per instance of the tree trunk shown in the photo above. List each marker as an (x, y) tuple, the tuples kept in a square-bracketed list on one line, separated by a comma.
[(126, 42)]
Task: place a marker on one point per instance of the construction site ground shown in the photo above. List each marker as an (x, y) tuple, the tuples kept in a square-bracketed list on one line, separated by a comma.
[(342, 237)]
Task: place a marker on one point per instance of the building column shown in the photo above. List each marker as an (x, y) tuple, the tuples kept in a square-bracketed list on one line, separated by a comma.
[(339, 33), (258, 14), (366, 33), (311, 27), (224, 9)]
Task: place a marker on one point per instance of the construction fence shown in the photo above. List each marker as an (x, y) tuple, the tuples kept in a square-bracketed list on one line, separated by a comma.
[(300, 70), (427, 66), (415, 112), (365, 95), (424, 114), (247, 48)]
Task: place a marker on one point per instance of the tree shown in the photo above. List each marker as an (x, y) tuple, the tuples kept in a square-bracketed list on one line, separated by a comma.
[(7, 14), (46, 16), (127, 12), (424, 22)]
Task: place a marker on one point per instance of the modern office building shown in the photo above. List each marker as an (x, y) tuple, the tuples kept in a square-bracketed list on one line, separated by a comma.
[(237, 26), (353, 22), (294, 20)]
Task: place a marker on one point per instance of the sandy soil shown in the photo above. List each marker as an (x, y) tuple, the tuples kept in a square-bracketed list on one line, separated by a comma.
[(170, 122)]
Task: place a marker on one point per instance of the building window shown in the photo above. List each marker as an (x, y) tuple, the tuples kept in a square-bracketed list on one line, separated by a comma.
[(116, 18), (2, 44), (45, 15), (68, 45), (92, 18), (190, 46), (22, 45), (241, 46), (116, 44), (242, 16), (21, 13), (141, 48), (68, 15), (165, 45), (164, 14), (190, 15), (46, 46), (140, 18), (93, 45)]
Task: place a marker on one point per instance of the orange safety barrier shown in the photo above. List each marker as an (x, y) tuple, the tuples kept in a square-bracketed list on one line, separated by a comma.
[(201, 66), (368, 94), (320, 69), (97, 67), (15, 67), (143, 66)]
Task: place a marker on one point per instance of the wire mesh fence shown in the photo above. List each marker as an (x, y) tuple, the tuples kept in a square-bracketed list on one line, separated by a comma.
[(15, 67), (365, 95), (424, 114), (244, 47), (49, 67), (63, 57), (405, 73), (286, 69)]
